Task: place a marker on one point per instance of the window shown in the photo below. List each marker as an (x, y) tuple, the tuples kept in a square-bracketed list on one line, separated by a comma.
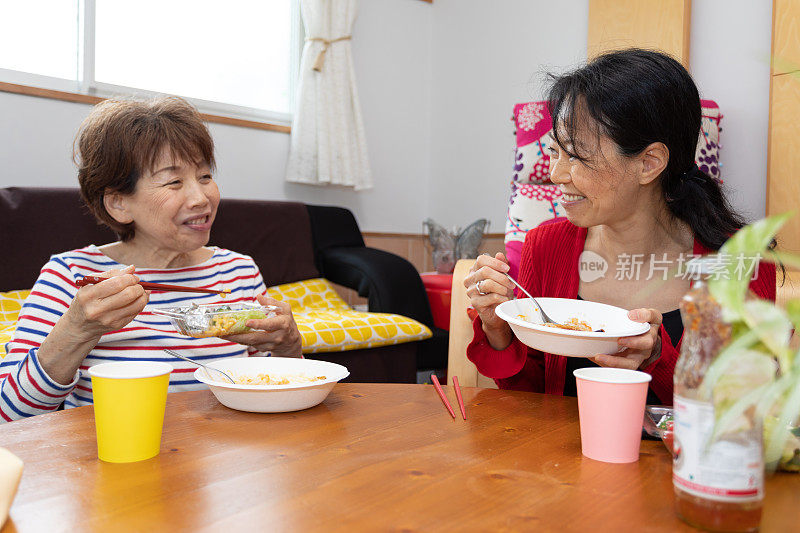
[(238, 58)]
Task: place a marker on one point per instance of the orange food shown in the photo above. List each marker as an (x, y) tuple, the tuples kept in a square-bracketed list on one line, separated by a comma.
[(573, 324), (267, 379)]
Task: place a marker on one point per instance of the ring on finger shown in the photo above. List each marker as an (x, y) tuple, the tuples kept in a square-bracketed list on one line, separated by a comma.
[(478, 286)]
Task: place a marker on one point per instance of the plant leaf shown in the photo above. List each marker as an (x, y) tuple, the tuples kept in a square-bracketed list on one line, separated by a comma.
[(772, 326), (789, 413), (772, 395), (751, 370), (730, 286), (777, 256), (726, 417), (723, 360)]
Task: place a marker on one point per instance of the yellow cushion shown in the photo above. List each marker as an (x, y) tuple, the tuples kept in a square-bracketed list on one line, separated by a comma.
[(10, 306), (328, 324)]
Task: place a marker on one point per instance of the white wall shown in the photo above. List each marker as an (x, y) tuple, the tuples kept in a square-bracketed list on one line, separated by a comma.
[(729, 60), (437, 85), (485, 60)]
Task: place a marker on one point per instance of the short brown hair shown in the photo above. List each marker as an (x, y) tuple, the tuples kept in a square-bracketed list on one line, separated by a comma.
[(120, 140)]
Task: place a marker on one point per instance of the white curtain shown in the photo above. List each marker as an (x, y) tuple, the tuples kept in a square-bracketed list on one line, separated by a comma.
[(328, 145)]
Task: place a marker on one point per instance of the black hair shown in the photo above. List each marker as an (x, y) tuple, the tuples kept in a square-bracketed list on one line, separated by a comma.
[(637, 97)]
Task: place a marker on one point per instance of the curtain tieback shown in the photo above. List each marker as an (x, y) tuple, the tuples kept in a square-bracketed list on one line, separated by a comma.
[(320, 61)]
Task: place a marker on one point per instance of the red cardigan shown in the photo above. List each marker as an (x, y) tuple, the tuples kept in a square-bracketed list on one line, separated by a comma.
[(549, 267)]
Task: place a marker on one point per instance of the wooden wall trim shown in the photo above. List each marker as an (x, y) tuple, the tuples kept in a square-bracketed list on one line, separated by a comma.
[(783, 146), (769, 114), (661, 24), (66, 96)]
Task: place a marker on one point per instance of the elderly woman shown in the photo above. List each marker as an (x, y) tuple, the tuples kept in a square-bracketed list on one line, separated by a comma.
[(145, 170), (625, 129)]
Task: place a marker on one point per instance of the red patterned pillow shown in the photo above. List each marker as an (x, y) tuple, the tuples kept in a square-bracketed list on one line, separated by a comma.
[(533, 122), (707, 154)]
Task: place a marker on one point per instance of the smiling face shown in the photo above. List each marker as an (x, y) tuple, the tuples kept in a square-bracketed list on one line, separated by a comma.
[(600, 190), (172, 207)]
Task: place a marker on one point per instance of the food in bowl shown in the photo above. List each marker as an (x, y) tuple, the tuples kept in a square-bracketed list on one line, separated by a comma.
[(272, 379), (610, 323), (574, 324), (215, 320), (309, 383)]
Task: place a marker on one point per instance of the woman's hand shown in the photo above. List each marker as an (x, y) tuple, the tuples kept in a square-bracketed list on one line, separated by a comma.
[(640, 351), (106, 306), (96, 310), (277, 334), (487, 287)]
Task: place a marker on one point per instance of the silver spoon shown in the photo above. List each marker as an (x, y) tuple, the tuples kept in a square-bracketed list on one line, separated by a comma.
[(207, 368), (544, 316)]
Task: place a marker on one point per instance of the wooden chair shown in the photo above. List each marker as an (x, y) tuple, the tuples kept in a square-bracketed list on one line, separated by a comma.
[(461, 333)]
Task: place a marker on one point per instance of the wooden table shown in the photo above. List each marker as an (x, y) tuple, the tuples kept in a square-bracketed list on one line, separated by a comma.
[(372, 457)]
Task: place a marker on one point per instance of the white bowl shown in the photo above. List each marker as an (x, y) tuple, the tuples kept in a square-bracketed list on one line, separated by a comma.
[(523, 317), (271, 398)]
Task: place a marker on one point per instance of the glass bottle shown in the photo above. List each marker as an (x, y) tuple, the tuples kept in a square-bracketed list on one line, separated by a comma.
[(718, 486)]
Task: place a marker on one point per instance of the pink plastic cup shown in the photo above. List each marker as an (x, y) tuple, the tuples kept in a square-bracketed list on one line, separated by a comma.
[(611, 409)]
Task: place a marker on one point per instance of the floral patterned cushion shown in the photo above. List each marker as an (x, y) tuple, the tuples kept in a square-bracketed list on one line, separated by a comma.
[(707, 154), (531, 164)]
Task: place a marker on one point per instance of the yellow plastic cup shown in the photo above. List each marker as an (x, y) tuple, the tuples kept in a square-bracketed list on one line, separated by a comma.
[(129, 402)]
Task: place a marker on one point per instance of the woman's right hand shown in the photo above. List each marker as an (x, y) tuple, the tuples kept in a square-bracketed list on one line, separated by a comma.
[(487, 287), (96, 310), (106, 306)]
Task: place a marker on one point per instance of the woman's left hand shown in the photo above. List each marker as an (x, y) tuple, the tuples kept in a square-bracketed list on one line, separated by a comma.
[(277, 334), (640, 351)]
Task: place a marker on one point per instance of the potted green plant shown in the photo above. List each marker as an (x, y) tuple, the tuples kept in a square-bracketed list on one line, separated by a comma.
[(757, 375)]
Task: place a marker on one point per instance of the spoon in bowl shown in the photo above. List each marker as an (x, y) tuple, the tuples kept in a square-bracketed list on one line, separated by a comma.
[(544, 316), (207, 368)]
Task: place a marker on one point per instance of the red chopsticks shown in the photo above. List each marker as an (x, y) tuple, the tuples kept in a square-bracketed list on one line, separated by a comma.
[(91, 280), (444, 399), (458, 395), (440, 392)]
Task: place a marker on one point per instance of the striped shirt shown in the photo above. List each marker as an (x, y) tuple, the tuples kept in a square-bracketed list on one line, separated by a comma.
[(27, 390)]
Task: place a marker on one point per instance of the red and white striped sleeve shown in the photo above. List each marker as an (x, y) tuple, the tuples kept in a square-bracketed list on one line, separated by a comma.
[(25, 388)]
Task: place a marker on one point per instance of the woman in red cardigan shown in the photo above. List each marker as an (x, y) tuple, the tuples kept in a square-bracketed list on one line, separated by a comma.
[(625, 129)]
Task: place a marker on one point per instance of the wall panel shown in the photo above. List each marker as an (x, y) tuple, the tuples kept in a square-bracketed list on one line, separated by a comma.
[(661, 24)]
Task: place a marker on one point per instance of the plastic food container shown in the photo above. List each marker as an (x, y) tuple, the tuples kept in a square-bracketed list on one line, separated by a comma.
[(215, 320), (658, 422)]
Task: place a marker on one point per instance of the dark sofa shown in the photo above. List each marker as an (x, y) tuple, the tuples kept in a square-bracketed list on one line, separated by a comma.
[(289, 241)]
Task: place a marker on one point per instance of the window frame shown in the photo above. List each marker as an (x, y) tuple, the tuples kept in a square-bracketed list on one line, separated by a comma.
[(87, 90)]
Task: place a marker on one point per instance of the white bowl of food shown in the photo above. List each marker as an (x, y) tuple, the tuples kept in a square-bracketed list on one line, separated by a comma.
[(271, 384), (601, 325)]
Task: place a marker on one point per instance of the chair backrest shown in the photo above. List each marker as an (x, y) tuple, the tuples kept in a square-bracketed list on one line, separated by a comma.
[(461, 333)]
